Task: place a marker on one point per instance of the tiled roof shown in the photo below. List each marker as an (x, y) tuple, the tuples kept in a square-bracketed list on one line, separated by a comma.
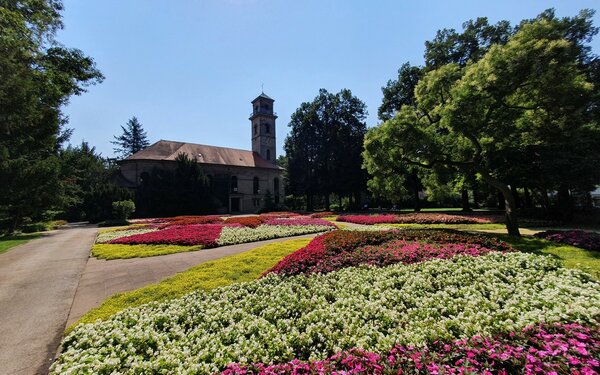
[(262, 95), (168, 150)]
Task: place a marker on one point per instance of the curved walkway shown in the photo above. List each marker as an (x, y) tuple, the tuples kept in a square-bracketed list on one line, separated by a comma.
[(38, 281), (103, 278)]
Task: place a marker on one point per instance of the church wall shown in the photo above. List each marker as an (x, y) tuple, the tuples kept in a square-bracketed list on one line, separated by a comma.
[(249, 202)]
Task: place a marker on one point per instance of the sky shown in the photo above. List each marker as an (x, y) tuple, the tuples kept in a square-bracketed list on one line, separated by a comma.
[(188, 69)]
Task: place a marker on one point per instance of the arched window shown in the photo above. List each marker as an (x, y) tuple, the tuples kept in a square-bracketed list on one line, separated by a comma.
[(267, 128), (256, 186), (268, 154), (234, 184), (254, 128)]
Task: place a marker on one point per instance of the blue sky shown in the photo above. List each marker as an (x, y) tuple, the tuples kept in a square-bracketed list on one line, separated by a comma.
[(189, 69)]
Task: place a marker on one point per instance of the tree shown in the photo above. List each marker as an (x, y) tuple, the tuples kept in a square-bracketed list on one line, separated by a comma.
[(530, 91), (324, 147), (132, 140), (37, 77)]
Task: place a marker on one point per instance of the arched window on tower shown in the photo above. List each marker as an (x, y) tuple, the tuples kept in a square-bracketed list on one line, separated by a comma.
[(255, 128), (267, 128), (256, 186), (234, 184), (268, 154)]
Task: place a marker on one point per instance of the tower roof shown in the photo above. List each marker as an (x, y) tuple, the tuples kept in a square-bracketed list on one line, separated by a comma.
[(263, 96)]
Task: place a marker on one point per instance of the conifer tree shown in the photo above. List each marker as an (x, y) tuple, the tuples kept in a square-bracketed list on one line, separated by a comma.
[(132, 140)]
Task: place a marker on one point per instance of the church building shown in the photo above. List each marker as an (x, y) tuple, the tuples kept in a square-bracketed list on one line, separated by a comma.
[(250, 176)]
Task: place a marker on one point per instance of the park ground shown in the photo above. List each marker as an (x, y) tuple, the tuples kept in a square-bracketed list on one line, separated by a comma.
[(49, 282)]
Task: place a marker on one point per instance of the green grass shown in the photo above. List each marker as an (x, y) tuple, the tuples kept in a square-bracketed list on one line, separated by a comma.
[(570, 256), (242, 267), (8, 242), (118, 251)]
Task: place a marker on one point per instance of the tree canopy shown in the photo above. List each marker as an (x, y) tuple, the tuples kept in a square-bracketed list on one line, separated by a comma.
[(324, 146), (37, 77), (532, 91), (132, 139)]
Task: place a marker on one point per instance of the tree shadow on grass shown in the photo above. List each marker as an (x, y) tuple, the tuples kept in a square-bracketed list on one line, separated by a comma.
[(8, 242)]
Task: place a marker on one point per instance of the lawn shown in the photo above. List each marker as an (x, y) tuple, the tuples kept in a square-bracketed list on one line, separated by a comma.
[(570, 256), (8, 242), (206, 276)]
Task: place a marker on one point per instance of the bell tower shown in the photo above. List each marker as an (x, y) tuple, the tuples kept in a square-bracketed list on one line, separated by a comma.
[(262, 119)]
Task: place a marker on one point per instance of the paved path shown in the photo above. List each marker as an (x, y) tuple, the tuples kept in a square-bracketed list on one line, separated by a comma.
[(103, 278), (38, 281)]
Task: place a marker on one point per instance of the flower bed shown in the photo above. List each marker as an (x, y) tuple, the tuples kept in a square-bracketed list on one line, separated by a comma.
[(278, 319), (414, 218), (326, 253), (247, 221), (191, 220), (109, 235), (541, 349), (319, 215), (367, 219), (302, 220), (278, 215), (236, 235), (577, 238), (199, 234)]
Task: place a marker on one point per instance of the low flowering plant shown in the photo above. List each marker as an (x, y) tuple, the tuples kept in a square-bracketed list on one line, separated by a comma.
[(414, 218), (578, 238), (199, 234), (339, 249), (247, 221), (300, 220), (236, 235), (539, 349), (278, 319), (191, 220), (319, 215)]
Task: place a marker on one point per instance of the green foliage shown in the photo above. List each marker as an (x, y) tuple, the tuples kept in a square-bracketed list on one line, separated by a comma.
[(531, 91), (324, 146), (8, 242), (132, 140), (37, 77), (206, 276), (117, 251), (97, 204), (123, 209)]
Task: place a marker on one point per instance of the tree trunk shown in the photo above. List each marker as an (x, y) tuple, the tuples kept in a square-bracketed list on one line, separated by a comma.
[(309, 202), (512, 223), (515, 193), (565, 203), (327, 202), (415, 183), (475, 200), (527, 195), (340, 202), (501, 201), (465, 200)]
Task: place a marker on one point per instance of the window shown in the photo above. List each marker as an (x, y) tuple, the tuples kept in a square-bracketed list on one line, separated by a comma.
[(267, 128), (256, 186), (234, 184), (210, 182), (268, 154), (254, 128)]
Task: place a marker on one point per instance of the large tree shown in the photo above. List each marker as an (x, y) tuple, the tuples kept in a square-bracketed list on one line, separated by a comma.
[(324, 147), (37, 77), (532, 90), (132, 139)]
